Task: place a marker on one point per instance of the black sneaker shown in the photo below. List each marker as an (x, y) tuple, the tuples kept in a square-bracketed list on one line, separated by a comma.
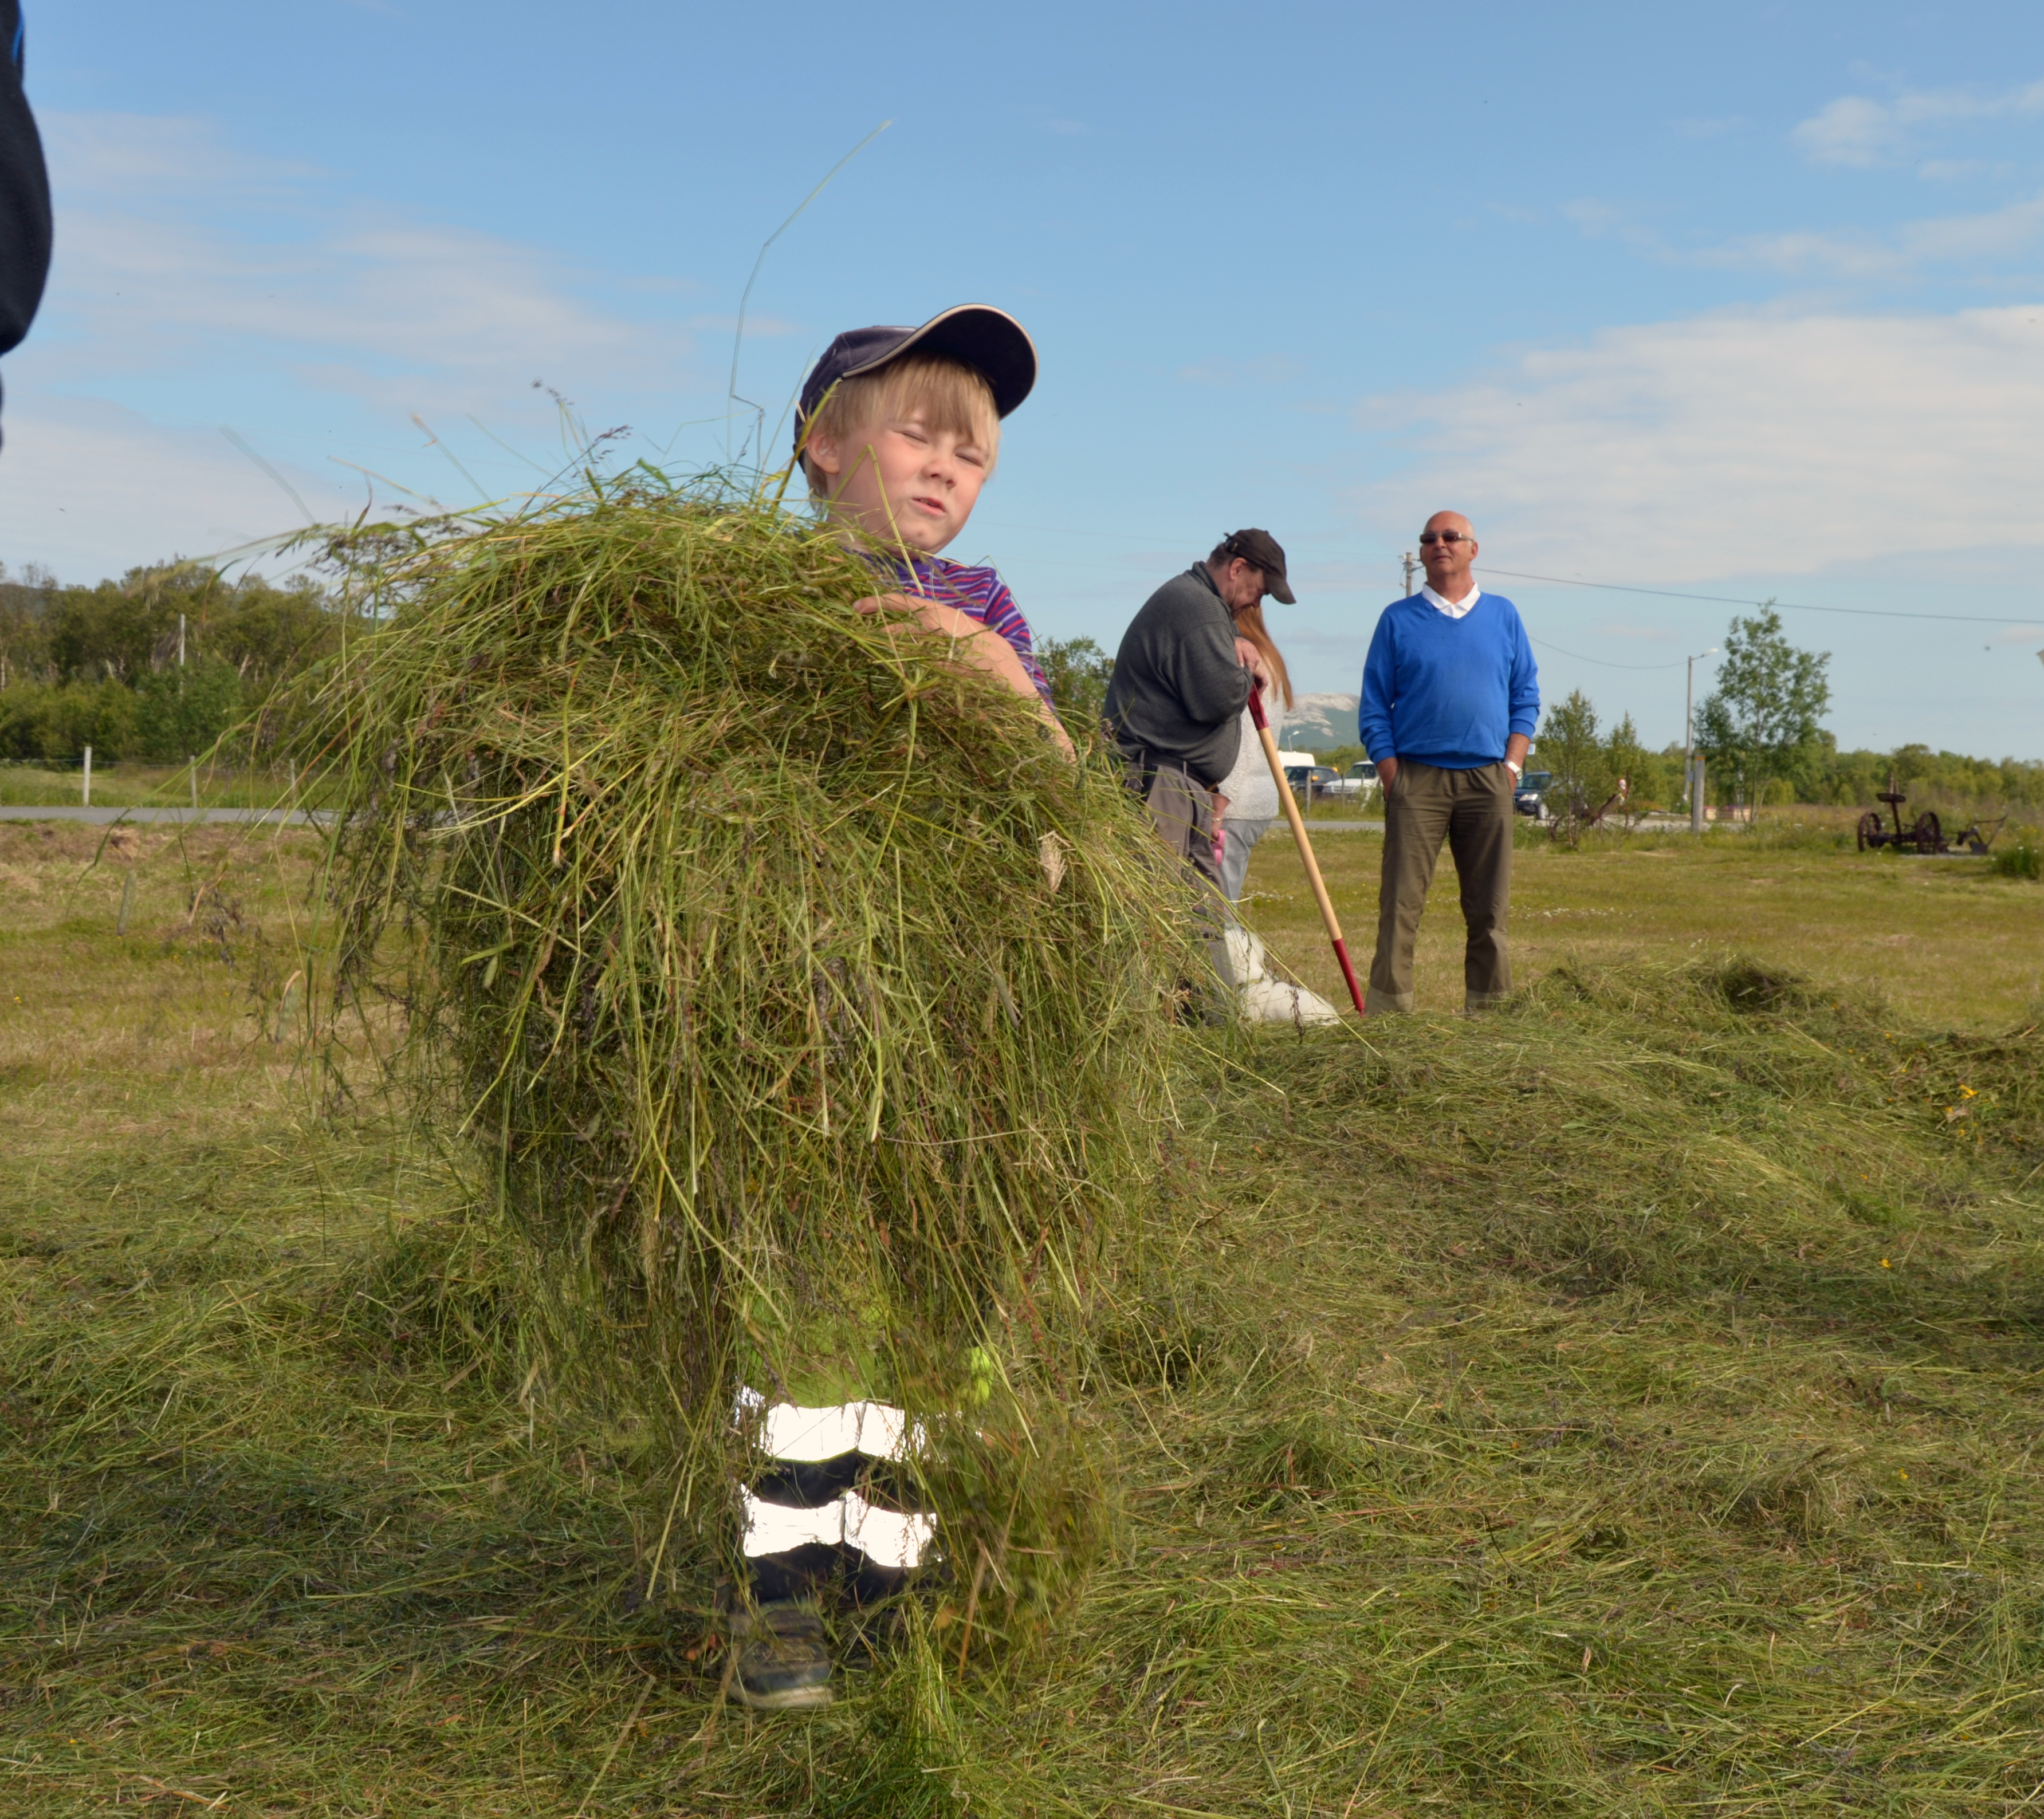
[(783, 1664)]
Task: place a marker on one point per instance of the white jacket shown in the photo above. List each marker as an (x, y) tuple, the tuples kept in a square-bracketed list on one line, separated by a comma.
[(1251, 793)]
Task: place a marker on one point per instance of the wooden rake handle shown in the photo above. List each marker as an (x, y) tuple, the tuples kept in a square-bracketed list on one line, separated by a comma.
[(1305, 845)]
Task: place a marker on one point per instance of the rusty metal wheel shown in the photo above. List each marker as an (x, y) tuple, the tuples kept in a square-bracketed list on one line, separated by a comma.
[(1930, 834), (1869, 831)]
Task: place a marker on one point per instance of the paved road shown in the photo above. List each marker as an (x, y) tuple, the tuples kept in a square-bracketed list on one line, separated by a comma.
[(103, 817), (1313, 827)]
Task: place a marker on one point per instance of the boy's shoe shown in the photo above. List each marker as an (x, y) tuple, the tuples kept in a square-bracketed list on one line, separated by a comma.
[(783, 1664)]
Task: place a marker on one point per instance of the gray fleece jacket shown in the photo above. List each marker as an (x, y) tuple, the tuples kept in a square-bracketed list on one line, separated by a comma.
[(1178, 688)]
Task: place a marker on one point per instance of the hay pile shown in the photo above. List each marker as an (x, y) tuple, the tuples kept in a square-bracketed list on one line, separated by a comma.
[(808, 1007)]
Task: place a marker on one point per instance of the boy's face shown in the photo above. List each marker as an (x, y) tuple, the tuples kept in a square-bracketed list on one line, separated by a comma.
[(899, 477)]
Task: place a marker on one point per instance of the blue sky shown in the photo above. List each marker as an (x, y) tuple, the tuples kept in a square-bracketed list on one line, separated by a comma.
[(1744, 301)]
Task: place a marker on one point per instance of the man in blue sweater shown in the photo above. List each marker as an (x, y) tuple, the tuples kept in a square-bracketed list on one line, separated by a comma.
[(1450, 700)]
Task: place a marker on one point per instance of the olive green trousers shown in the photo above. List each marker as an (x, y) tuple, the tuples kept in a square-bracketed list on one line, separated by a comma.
[(1472, 811)]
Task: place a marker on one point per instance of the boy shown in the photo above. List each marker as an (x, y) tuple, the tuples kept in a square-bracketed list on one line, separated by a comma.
[(896, 431)]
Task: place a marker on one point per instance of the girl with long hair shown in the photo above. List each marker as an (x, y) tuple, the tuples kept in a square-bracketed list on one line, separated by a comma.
[(1246, 802)]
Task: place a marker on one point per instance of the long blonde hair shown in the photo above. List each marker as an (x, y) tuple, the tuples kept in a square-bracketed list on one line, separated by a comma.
[(1249, 624)]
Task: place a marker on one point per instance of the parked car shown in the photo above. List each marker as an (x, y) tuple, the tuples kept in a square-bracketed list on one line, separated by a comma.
[(1360, 784), (1311, 780), (1531, 796)]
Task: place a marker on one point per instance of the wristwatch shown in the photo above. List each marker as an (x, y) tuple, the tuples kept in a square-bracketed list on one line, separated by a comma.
[(1514, 769)]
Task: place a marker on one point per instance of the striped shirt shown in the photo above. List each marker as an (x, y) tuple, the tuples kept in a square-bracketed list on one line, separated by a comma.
[(978, 593)]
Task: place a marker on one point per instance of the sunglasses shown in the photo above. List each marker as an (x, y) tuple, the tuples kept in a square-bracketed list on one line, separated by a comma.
[(1450, 537)]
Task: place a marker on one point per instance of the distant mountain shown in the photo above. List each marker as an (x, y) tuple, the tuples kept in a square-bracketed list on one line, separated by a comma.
[(1318, 722)]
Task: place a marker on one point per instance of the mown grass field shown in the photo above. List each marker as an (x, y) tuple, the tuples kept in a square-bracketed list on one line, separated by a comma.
[(1625, 1404), (1947, 942)]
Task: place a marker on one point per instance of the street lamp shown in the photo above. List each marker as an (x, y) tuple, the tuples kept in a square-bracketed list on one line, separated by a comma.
[(1689, 780), (1689, 698)]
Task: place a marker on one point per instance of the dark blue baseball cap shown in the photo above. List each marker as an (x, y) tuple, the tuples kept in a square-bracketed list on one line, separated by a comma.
[(990, 341)]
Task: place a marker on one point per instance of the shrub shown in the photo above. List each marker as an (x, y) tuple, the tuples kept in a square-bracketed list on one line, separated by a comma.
[(2023, 860), (180, 711), (56, 722)]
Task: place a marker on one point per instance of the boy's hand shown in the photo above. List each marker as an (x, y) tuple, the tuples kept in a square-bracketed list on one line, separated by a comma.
[(976, 644)]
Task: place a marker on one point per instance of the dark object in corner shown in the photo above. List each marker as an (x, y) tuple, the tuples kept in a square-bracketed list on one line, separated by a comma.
[(25, 192)]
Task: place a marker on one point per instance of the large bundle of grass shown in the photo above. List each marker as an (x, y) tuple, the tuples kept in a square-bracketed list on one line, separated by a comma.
[(810, 1008)]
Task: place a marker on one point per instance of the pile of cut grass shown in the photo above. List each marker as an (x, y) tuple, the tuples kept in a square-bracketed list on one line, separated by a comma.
[(806, 1010), (1506, 1416)]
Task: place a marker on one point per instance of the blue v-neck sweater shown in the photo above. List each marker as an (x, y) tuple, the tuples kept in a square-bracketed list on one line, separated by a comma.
[(1448, 692)]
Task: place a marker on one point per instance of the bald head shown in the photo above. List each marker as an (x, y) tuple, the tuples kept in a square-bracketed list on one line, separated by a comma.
[(1447, 547)]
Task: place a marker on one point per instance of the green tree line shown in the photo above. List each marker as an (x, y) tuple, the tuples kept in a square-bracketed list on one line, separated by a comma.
[(1760, 732), (99, 666), (152, 667)]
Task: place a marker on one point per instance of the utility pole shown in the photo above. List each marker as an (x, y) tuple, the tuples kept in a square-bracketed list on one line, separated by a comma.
[(181, 640), (1410, 565), (1692, 772)]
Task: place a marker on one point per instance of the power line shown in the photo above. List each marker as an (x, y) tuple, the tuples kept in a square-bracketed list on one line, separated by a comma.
[(1604, 661), (1565, 581), (1784, 605)]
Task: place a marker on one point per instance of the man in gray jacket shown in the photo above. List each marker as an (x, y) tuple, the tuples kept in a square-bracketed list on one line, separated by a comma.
[(1182, 679)]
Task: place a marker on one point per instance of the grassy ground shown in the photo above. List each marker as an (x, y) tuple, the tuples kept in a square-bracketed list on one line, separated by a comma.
[(142, 785), (1948, 943), (1625, 1404)]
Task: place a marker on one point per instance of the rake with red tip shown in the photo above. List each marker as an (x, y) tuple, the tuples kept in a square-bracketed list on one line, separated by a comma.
[(1305, 845)]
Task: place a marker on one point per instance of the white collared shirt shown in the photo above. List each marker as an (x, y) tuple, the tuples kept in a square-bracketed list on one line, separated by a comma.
[(1453, 609)]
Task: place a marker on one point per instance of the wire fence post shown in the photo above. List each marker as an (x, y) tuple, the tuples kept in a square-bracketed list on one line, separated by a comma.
[(88, 777), (193, 762)]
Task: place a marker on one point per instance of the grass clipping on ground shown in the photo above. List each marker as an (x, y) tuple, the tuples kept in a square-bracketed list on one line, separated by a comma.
[(808, 1009), (1625, 1404)]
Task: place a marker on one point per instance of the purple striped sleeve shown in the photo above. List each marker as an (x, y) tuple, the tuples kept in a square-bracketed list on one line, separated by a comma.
[(982, 594)]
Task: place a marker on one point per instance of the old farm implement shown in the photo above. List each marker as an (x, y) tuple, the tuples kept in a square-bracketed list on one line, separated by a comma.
[(1927, 836)]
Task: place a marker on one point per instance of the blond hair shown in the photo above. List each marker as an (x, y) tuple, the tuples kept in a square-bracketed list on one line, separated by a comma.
[(950, 396), (1249, 624)]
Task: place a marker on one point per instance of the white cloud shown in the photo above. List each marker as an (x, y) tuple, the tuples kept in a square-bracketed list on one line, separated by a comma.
[(1861, 134), (2014, 232), (174, 250), (92, 489), (1959, 170), (192, 282), (1851, 130), (1263, 370), (1803, 252), (1738, 443)]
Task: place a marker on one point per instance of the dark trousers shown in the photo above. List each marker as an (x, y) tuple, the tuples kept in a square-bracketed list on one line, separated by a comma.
[(1471, 810), (1181, 811)]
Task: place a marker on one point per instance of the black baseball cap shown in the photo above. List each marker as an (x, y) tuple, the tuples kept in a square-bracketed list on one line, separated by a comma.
[(1264, 550), (990, 341)]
